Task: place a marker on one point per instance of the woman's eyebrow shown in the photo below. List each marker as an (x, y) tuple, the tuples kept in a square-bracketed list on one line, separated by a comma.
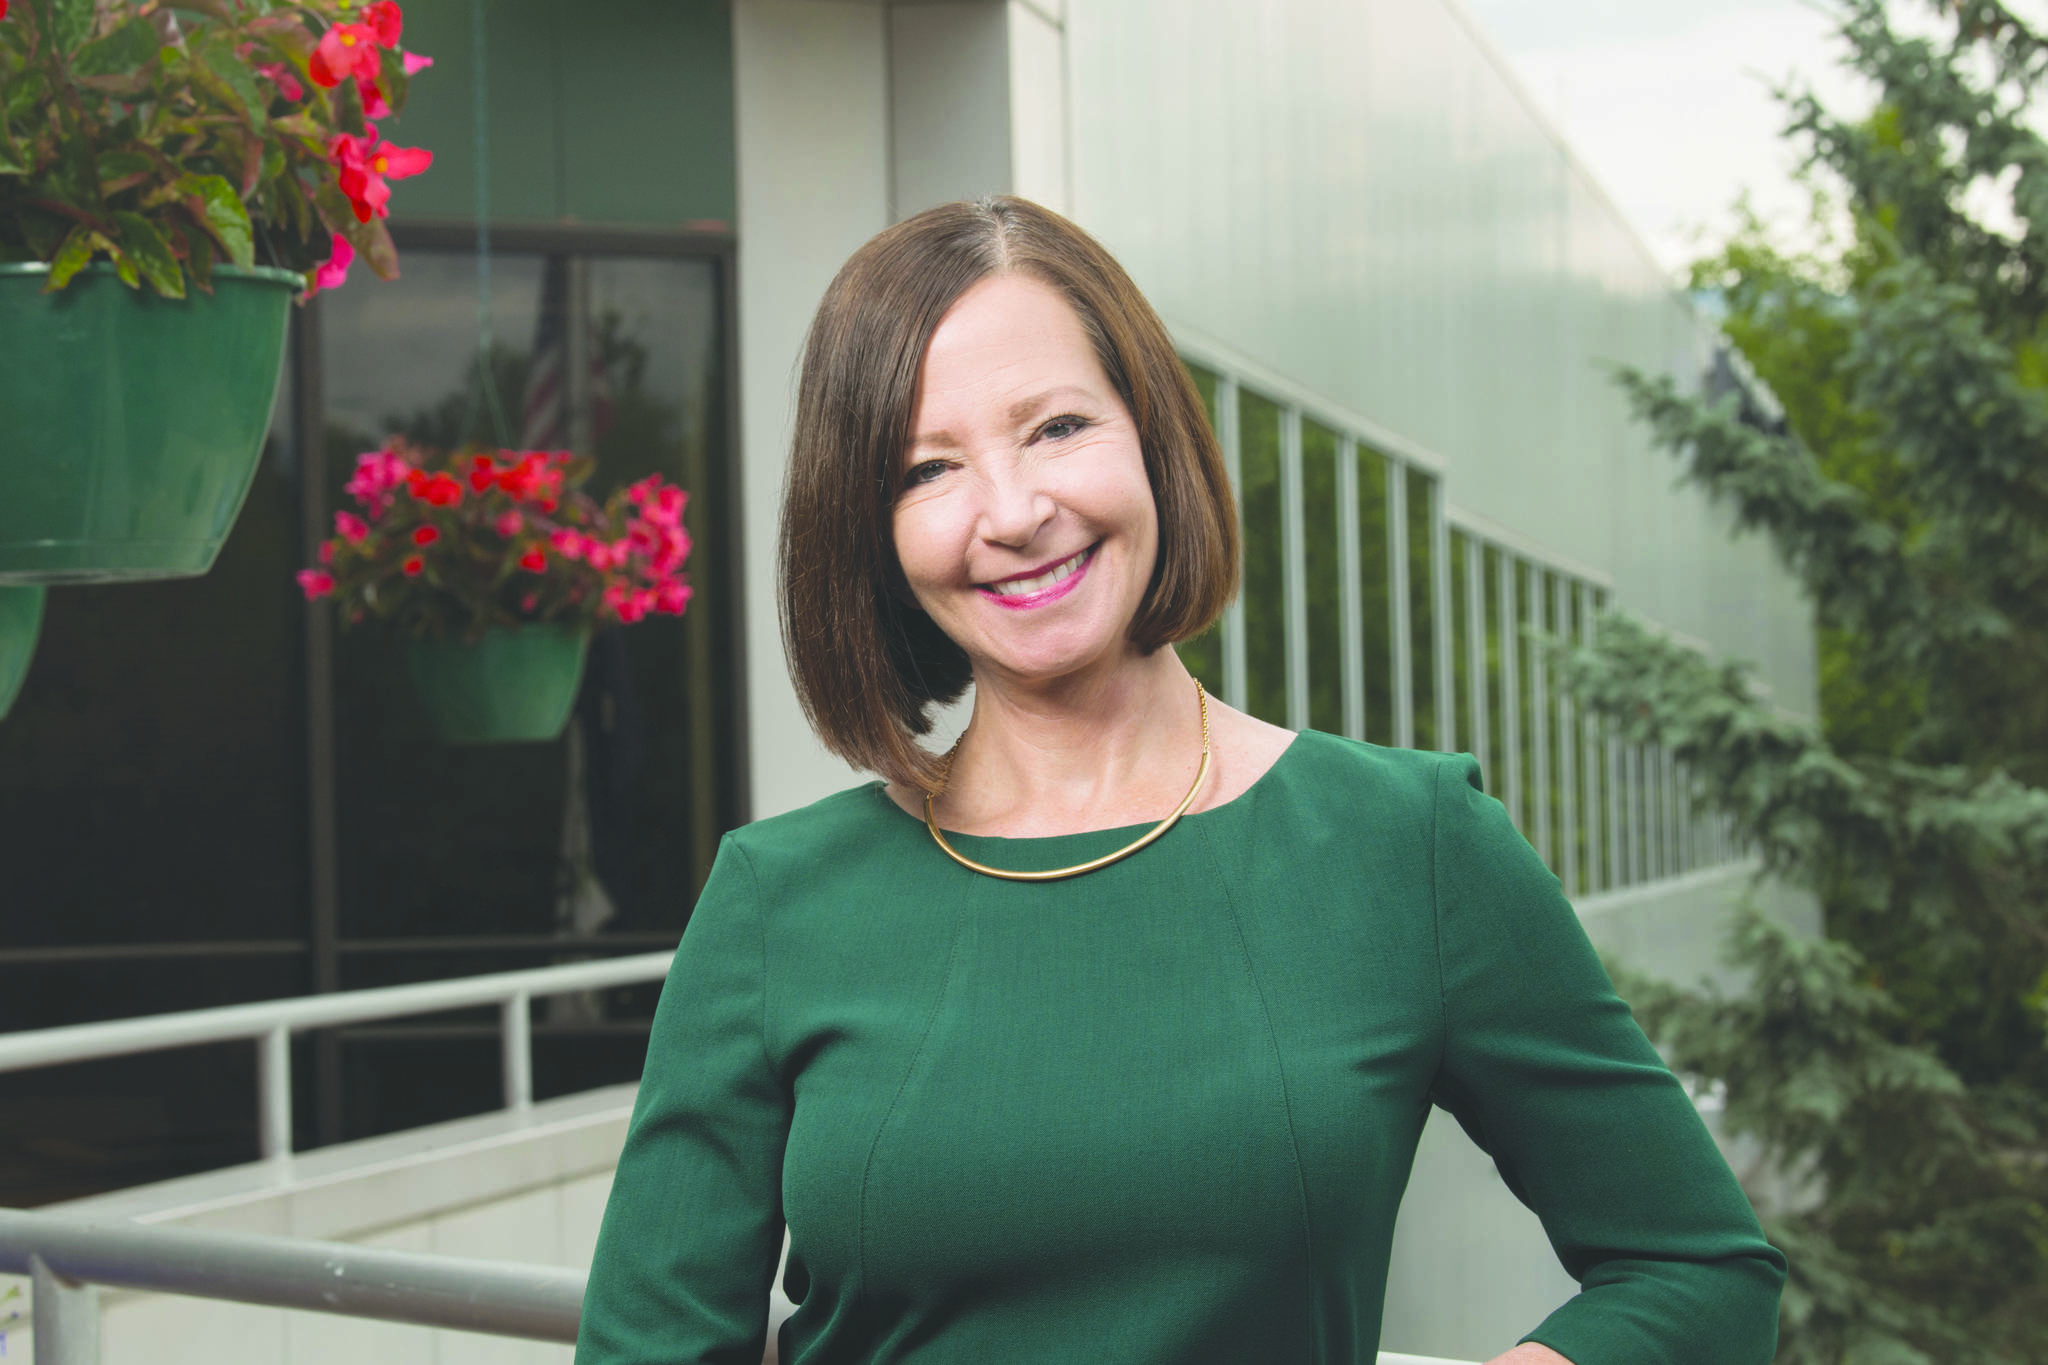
[(1019, 410)]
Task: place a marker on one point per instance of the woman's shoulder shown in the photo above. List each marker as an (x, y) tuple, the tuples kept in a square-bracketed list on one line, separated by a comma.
[(1361, 770), (844, 822)]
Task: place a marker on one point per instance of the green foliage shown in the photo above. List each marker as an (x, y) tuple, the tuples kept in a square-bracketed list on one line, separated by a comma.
[(165, 137), (1900, 1064)]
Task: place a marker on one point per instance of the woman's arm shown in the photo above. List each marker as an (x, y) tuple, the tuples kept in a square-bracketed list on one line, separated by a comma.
[(1547, 1071), (693, 1227), (1529, 1353)]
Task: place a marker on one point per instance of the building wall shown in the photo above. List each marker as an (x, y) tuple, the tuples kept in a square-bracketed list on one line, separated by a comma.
[(1359, 198)]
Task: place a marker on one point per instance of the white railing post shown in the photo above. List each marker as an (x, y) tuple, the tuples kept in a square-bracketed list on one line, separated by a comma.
[(67, 1321), (516, 1039), (274, 1092)]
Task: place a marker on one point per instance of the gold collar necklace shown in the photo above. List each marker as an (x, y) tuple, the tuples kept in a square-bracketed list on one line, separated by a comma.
[(1054, 874)]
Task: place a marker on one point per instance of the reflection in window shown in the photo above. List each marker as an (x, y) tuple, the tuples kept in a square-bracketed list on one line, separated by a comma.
[(1265, 607), (611, 828), (1461, 658), (1422, 606), (1375, 575), (1203, 655), (1323, 577)]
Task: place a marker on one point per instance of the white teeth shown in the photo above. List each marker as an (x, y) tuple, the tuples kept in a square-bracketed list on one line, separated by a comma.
[(1018, 587)]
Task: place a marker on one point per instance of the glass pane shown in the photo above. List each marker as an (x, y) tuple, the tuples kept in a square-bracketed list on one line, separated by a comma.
[(1375, 595), (1323, 577), (1422, 607), (1461, 657), (1528, 584), (153, 791), (1592, 875), (1496, 673), (609, 828), (1265, 612), (1203, 655)]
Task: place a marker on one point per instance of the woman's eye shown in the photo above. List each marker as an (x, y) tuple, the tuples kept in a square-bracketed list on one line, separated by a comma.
[(923, 473), (1060, 428)]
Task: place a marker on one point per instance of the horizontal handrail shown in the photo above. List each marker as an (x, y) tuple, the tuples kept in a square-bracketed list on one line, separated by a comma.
[(538, 1303), (229, 1023), (271, 1023)]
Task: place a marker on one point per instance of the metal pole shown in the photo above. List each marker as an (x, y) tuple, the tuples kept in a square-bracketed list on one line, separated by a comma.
[(1400, 645), (274, 1092), (1350, 604), (1293, 569), (1236, 666), (67, 1321), (518, 1046)]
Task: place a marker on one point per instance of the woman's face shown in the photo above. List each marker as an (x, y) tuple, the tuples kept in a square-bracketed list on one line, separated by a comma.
[(1024, 522)]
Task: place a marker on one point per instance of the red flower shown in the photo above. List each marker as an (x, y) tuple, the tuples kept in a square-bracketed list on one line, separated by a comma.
[(351, 527), (414, 565), (366, 163), (314, 582), (534, 560), (3, 9), (483, 472), (436, 490), (345, 50), (385, 20), (425, 535)]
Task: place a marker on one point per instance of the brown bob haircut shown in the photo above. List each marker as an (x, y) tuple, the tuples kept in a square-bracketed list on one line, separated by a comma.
[(867, 662)]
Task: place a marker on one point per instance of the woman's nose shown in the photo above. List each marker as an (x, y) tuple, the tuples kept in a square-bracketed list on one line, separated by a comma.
[(1014, 508)]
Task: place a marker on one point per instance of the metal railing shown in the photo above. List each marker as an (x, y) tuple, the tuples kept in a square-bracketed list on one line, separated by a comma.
[(271, 1024), (68, 1259)]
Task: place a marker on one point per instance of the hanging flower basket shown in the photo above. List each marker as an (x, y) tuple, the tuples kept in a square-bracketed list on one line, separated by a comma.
[(516, 684), (134, 422), (21, 621)]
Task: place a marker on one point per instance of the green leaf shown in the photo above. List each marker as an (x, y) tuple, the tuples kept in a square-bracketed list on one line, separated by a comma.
[(12, 160), (120, 170), (221, 212), (127, 48), (73, 256), (151, 254), (373, 240), (70, 23), (391, 75), (235, 74)]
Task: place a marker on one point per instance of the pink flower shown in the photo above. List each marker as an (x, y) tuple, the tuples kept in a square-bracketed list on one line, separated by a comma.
[(374, 104), (671, 595), (414, 63), (597, 554), (366, 163), (510, 524), (379, 475), (351, 527), (325, 552), (281, 76), (315, 583), (335, 270), (529, 602), (568, 544), (345, 50)]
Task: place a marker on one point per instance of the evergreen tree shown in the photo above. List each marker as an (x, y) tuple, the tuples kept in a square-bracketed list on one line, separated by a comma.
[(1899, 1062)]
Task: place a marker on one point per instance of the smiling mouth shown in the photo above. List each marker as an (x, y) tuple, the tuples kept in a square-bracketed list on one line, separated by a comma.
[(1011, 590)]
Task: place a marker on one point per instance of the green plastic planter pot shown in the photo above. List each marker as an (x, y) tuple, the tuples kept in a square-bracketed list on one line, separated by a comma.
[(513, 686), (132, 423), (21, 621)]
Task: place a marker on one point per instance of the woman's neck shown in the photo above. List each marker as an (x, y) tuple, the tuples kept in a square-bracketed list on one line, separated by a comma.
[(1093, 751)]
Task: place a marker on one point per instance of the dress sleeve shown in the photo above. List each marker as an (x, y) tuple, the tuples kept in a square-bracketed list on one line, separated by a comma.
[(1545, 1069), (693, 1228)]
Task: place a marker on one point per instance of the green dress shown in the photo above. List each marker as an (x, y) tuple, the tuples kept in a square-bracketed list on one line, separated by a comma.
[(1160, 1113)]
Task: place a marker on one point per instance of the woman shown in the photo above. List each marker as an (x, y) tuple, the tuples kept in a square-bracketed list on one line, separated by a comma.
[(1160, 1106)]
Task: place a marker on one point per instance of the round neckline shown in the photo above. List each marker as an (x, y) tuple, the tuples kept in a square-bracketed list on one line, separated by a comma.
[(1243, 798)]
